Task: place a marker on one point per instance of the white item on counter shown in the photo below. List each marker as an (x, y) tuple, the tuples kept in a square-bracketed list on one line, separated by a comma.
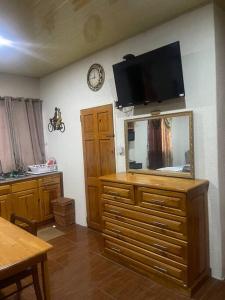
[(42, 168)]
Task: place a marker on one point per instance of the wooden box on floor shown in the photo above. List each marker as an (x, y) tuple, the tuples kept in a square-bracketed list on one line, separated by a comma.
[(64, 211)]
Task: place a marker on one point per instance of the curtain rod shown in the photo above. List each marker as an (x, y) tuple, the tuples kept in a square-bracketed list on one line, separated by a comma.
[(19, 98)]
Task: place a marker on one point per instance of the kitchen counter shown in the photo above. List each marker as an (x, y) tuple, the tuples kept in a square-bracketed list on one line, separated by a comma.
[(27, 177)]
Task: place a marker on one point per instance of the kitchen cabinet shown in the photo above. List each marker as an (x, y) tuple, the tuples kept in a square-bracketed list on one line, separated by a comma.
[(5, 207), (5, 201), (49, 189), (31, 197), (46, 195), (26, 204)]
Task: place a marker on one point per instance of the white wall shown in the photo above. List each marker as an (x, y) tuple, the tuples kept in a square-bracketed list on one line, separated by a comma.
[(68, 89), (220, 75), (141, 143), (19, 86), (180, 139)]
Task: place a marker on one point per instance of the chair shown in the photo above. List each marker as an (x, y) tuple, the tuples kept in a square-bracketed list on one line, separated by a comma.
[(30, 226)]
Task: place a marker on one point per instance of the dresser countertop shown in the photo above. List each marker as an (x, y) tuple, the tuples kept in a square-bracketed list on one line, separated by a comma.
[(160, 182)]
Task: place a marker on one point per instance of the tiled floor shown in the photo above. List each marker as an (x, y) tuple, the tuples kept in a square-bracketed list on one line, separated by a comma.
[(78, 270)]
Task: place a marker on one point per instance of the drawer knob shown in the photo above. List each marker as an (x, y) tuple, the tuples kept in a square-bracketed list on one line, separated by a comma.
[(116, 230), (114, 211), (160, 247), (160, 269), (159, 224), (115, 249), (113, 193), (158, 202)]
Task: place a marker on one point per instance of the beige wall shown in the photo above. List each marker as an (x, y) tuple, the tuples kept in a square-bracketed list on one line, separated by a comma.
[(19, 86), (220, 87)]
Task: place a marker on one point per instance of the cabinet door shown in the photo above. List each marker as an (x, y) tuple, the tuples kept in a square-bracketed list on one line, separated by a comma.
[(46, 195), (5, 207), (26, 204)]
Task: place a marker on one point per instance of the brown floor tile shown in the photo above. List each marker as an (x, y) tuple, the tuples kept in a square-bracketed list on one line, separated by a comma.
[(79, 271)]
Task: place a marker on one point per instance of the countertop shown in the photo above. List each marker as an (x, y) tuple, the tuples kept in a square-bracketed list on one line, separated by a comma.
[(27, 177), (160, 182)]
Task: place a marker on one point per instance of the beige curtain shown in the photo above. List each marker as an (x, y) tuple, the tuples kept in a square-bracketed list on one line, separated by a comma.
[(21, 133), (6, 149), (166, 142)]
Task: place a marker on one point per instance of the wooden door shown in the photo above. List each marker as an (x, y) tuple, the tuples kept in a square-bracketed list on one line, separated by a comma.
[(99, 156), (46, 195), (5, 207), (25, 204)]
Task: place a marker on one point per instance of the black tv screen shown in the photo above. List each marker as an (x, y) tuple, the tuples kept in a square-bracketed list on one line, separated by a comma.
[(154, 76)]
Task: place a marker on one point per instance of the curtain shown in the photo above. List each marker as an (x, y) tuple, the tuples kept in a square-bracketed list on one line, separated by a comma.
[(166, 142), (21, 133), (155, 159)]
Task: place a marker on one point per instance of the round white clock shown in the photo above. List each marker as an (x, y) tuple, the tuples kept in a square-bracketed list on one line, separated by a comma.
[(95, 77)]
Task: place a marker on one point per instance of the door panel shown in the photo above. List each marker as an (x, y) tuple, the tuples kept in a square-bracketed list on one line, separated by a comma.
[(99, 156), (91, 157), (93, 204), (104, 121), (5, 207), (25, 204), (107, 154), (47, 194)]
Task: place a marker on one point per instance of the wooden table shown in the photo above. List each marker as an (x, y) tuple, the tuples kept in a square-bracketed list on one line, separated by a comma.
[(19, 250)]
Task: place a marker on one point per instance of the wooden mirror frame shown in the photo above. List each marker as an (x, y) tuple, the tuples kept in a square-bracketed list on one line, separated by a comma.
[(190, 174)]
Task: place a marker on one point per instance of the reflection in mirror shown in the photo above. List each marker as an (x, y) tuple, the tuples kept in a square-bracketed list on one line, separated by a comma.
[(162, 144)]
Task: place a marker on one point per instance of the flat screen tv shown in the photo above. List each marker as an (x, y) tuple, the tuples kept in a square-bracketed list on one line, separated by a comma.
[(154, 76)]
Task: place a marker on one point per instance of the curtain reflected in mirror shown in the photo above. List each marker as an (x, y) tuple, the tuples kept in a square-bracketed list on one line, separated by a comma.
[(161, 144)]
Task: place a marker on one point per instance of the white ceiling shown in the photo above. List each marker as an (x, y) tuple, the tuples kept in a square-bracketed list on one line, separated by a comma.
[(49, 34)]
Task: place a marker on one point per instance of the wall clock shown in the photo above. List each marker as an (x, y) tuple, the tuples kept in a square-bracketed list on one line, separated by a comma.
[(95, 77)]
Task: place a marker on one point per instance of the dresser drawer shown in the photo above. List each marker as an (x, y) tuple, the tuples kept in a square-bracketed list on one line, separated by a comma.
[(176, 228), (166, 201), (25, 185), (48, 180), (5, 189), (118, 190), (166, 250), (141, 255)]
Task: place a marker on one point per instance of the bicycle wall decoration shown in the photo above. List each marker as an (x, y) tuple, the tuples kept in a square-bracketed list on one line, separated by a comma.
[(56, 123)]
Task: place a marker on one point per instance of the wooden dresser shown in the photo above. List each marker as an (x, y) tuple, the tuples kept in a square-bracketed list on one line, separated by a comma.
[(157, 226)]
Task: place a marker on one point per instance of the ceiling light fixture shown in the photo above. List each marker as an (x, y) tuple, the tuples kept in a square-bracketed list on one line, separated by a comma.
[(5, 42)]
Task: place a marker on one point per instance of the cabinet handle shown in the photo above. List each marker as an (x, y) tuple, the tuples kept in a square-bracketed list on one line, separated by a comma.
[(160, 247), (109, 135), (160, 269), (116, 230), (113, 193), (115, 249), (159, 224), (158, 202), (114, 211)]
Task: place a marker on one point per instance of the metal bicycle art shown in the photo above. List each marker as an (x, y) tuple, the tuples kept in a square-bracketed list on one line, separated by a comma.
[(56, 122)]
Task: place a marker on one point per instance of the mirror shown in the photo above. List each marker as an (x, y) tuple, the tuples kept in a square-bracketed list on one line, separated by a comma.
[(161, 145)]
